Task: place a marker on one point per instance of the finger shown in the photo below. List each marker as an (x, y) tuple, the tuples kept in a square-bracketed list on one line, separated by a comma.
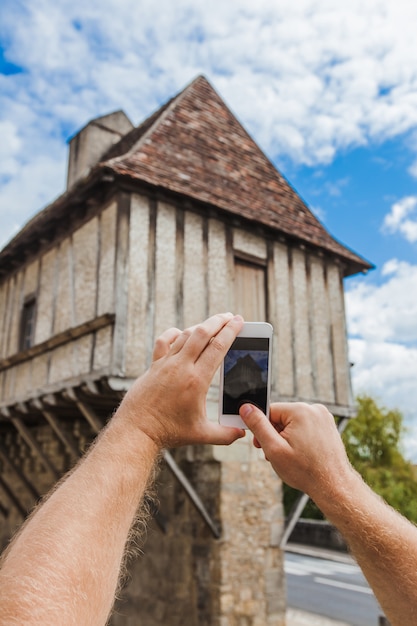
[(265, 433), (164, 342), (204, 333), (217, 434), (282, 413), (215, 351), (181, 340)]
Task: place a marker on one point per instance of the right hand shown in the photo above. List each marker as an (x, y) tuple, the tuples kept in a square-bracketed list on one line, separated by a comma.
[(301, 442), (168, 403)]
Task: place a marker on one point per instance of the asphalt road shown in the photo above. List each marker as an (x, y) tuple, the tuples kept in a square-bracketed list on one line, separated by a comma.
[(336, 590)]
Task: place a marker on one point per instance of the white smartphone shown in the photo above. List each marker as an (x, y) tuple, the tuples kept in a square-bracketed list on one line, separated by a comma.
[(246, 373)]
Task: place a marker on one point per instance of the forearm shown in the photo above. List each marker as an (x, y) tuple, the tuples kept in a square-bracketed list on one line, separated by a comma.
[(64, 565), (383, 542)]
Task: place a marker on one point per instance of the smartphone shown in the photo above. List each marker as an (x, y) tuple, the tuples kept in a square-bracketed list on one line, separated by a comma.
[(246, 373)]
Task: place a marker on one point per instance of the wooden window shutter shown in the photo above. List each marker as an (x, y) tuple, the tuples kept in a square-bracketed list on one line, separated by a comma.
[(250, 291)]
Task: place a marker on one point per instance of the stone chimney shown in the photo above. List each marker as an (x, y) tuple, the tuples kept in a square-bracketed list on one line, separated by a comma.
[(88, 146)]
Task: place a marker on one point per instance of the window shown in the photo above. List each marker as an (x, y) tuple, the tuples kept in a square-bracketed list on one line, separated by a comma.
[(250, 290), (27, 324)]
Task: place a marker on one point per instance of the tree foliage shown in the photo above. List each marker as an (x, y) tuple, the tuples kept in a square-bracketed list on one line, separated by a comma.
[(373, 442)]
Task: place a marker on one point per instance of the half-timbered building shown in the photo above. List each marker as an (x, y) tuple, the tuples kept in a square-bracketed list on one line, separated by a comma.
[(162, 225)]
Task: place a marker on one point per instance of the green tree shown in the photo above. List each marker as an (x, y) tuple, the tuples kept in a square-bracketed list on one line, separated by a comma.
[(373, 443)]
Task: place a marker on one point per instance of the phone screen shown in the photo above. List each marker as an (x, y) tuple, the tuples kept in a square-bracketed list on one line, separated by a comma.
[(246, 374)]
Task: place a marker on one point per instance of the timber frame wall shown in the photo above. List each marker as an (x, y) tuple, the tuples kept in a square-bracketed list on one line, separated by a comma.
[(139, 265)]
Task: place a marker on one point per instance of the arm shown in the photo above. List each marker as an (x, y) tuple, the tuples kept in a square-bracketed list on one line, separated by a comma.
[(305, 449), (63, 567)]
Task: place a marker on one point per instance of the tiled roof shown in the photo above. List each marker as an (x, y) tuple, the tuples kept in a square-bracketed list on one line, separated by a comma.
[(195, 146)]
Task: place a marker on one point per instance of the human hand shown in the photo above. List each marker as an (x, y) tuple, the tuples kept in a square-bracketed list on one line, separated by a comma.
[(301, 442), (168, 402)]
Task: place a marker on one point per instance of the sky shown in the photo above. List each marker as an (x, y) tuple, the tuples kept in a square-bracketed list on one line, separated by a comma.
[(327, 89)]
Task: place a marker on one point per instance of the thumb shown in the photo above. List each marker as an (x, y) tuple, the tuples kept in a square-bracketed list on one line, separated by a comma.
[(265, 434)]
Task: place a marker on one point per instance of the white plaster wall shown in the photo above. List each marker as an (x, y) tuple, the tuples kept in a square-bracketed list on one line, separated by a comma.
[(195, 280), (165, 276), (220, 288), (337, 316), (283, 347), (321, 332), (106, 271), (249, 243), (65, 313), (138, 287), (85, 250), (46, 299)]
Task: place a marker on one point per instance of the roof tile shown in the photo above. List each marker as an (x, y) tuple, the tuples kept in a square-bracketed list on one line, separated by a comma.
[(195, 146)]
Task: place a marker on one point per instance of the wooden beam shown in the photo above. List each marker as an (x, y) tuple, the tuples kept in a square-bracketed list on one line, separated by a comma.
[(86, 410), (58, 340), (91, 417), (34, 445), (9, 493), (64, 437), (16, 470), (3, 511)]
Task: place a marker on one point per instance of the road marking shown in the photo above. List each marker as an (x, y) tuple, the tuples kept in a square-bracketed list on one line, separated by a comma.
[(337, 583), (306, 567)]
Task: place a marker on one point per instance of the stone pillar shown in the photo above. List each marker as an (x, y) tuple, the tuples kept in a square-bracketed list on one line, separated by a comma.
[(252, 591)]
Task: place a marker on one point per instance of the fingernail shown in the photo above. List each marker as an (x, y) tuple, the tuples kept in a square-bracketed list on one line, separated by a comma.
[(238, 318), (245, 409)]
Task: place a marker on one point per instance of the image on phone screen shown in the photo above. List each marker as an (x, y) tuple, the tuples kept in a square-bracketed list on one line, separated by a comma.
[(246, 374)]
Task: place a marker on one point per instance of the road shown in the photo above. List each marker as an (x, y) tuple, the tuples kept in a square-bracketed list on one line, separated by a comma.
[(336, 590)]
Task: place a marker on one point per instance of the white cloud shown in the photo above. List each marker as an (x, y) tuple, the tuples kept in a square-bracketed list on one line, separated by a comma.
[(40, 180), (307, 78), (382, 324), (376, 368), (387, 371), (412, 170), (398, 220), (386, 312)]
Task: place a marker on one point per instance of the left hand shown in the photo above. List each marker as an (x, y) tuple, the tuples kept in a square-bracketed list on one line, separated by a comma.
[(168, 402)]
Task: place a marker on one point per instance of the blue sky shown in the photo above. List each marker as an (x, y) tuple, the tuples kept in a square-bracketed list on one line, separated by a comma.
[(328, 91)]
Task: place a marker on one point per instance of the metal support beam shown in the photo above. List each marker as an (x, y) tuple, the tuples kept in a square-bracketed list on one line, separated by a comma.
[(302, 501), (61, 434)]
